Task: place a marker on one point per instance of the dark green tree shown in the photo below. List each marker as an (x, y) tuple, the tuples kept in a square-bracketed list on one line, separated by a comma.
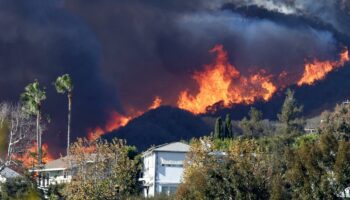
[(18, 189), (32, 99), (228, 127), (342, 166), (64, 85), (290, 115), (218, 131)]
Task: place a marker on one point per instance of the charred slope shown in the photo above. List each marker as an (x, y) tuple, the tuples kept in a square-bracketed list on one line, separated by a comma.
[(162, 125), (168, 124)]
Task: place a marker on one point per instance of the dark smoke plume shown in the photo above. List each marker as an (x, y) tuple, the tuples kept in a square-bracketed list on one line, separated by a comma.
[(121, 54), (159, 44), (40, 40)]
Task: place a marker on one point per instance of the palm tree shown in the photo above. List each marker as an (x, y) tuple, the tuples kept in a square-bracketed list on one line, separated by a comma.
[(32, 98), (64, 85)]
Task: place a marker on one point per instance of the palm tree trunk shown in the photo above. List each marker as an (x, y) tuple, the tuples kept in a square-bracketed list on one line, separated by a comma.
[(38, 138), (69, 120)]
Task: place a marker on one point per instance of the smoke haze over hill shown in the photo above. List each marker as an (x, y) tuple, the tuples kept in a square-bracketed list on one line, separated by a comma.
[(124, 54)]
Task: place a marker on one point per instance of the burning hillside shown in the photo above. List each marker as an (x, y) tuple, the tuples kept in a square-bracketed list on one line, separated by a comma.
[(118, 120), (138, 55), (221, 82), (317, 70)]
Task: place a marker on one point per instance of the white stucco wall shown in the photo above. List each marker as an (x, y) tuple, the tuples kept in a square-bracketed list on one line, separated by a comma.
[(162, 171), (170, 167), (149, 173)]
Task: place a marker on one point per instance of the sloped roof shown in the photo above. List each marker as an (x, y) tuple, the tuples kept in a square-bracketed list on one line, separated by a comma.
[(175, 146), (61, 163), (171, 147), (9, 173)]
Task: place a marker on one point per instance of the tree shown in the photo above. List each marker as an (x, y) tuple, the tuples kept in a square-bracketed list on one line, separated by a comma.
[(18, 189), (289, 116), (32, 99), (101, 170), (342, 166), (252, 126), (218, 130), (228, 127), (240, 173), (337, 122), (312, 173), (55, 192), (64, 85), (20, 129)]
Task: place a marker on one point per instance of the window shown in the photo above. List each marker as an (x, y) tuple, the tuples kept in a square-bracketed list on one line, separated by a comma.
[(172, 189), (164, 189), (168, 189), (172, 165)]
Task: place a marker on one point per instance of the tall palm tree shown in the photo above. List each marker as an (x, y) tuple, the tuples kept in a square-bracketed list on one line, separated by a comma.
[(64, 85), (32, 99)]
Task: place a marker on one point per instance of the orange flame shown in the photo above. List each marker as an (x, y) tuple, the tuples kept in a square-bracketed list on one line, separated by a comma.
[(156, 103), (118, 120), (222, 82), (29, 158), (317, 70)]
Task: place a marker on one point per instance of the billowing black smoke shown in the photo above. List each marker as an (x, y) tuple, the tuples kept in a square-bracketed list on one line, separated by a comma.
[(40, 40), (334, 13), (122, 54), (159, 43)]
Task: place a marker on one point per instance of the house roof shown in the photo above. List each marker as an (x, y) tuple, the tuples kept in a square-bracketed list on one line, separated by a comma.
[(170, 147), (63, 163), (9, 173)]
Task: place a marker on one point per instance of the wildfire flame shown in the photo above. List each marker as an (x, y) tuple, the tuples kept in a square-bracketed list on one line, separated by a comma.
[(222, 82), (118, 120), (317, 70), (156, 103), (29, 158)]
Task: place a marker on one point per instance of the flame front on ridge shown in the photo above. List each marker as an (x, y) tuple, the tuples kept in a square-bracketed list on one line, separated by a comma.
[(317, 70), (222, 82)]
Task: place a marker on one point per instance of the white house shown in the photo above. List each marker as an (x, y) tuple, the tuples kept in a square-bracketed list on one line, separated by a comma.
[(8, 173), (163, 168), (58, 171), (54, 172)]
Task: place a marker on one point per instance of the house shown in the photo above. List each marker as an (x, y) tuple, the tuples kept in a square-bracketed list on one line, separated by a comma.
[(163, 168), (58, 171), (8, 173), (54, 172)]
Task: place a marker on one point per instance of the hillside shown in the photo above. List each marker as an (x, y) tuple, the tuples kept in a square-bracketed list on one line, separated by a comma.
[(162, 125)]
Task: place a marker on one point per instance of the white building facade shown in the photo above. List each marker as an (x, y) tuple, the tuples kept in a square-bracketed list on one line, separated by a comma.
[(54, 172), (163, 168)]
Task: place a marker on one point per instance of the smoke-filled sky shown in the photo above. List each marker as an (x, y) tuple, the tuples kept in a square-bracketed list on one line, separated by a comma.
[(122, 54)]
